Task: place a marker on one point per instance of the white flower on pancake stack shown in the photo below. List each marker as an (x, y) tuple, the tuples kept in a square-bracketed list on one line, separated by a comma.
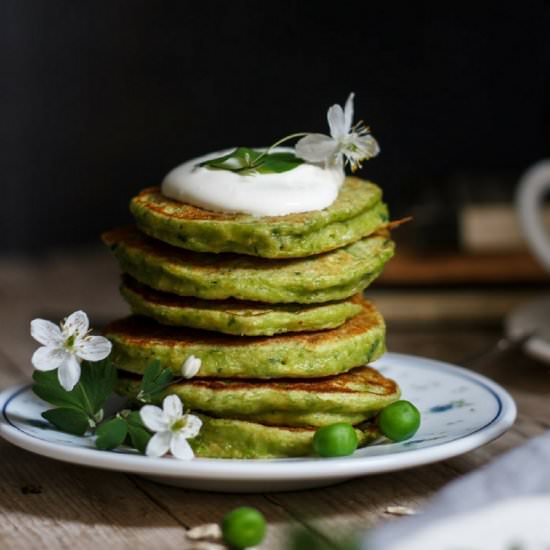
[(352, 143), (65, 346), (191, 367), (172, 428)]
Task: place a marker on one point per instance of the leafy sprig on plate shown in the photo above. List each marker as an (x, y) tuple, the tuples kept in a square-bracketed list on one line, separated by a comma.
[(82, 409), (155, 380)]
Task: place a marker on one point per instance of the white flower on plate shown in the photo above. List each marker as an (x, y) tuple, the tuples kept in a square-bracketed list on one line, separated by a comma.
[(65, 346), (191, 367), (173, 428), (354, 143)]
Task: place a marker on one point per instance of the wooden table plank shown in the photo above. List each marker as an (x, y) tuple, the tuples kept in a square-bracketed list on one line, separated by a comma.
[(194, 508), (45, 504)]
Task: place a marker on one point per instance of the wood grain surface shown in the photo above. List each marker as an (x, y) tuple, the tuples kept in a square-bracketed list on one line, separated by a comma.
[(46, 504)]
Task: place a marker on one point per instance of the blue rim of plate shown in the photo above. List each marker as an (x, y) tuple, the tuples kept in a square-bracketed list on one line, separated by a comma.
[(278, 469)]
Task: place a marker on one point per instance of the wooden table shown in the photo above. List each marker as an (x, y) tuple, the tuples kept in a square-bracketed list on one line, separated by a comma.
[(46, 504)]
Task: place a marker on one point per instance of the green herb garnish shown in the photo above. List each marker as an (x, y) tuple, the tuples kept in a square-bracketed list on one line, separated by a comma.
[(155, 380), (81, 408), (246, 161)]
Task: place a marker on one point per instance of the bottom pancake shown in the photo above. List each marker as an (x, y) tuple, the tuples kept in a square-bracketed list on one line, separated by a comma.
[(351, 397), (223, 438)]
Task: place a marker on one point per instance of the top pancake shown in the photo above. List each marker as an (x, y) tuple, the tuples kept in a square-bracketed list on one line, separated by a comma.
[(357, 212)]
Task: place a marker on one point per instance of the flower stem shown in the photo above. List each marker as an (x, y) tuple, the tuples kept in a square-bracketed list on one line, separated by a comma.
[(91, 412), (276, 144), (259, 159), (282, 140)]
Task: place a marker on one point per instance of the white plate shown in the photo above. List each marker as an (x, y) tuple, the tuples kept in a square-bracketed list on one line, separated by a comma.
[(460, 410)]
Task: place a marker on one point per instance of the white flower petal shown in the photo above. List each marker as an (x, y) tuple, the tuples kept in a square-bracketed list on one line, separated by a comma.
[(180, 448), (93, 348), (68, 373), (368, 145), (348, 112), (337, 122), (316, 148), (172, 407), (192, 426), (360, 148), (191, 367), (47, 358), (159, 444), (46, 332), (154, 418), (76, 324)]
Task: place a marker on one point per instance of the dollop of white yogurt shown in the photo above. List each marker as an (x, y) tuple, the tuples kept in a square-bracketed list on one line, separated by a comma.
[(302, 189)]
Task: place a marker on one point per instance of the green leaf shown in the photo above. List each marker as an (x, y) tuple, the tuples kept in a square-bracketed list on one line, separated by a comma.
[(111, 434), (46, 386), (154, 382), (134, 419), (139, 436), (238, 160), (97, 383), (151, 372), (68, 420), (279, 162), (246, 160)]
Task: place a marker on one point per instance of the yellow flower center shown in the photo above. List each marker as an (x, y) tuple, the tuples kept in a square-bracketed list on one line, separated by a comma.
[(179, 424)]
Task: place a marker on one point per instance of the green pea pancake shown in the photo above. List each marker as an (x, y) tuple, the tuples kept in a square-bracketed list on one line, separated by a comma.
[(351, 397), (335, 275), (139, 340), (225, 438), (357, 212), (233, 316)]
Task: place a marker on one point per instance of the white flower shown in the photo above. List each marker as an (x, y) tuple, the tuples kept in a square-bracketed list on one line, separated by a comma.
[(191, 367), (65, 346), (352, 142), (173, 428)]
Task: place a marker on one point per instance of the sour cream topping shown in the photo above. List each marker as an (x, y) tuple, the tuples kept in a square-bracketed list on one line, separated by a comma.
[(302, 189)]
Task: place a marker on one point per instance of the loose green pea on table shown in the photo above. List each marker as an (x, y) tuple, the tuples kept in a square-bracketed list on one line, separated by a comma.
[(243, 527)]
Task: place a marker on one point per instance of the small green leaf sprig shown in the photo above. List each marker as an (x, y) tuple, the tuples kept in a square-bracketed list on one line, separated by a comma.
[(155, 380), (81, 410), (247, 161), (125, 428)]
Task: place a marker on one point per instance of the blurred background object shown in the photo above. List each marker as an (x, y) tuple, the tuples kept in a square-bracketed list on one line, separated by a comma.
[(99, 100)]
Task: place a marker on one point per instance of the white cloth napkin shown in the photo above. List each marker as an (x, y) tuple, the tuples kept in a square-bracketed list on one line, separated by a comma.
[(501, 506)]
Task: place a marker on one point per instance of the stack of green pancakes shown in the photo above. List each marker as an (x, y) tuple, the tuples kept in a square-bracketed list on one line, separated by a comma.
[(273, 308)]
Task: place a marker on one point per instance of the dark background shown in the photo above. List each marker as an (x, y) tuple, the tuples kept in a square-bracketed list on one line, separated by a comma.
[(99, 99)]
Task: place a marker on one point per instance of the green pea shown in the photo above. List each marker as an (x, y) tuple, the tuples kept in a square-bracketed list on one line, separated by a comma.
[(337, 439), (243, 527), (399, 421)]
